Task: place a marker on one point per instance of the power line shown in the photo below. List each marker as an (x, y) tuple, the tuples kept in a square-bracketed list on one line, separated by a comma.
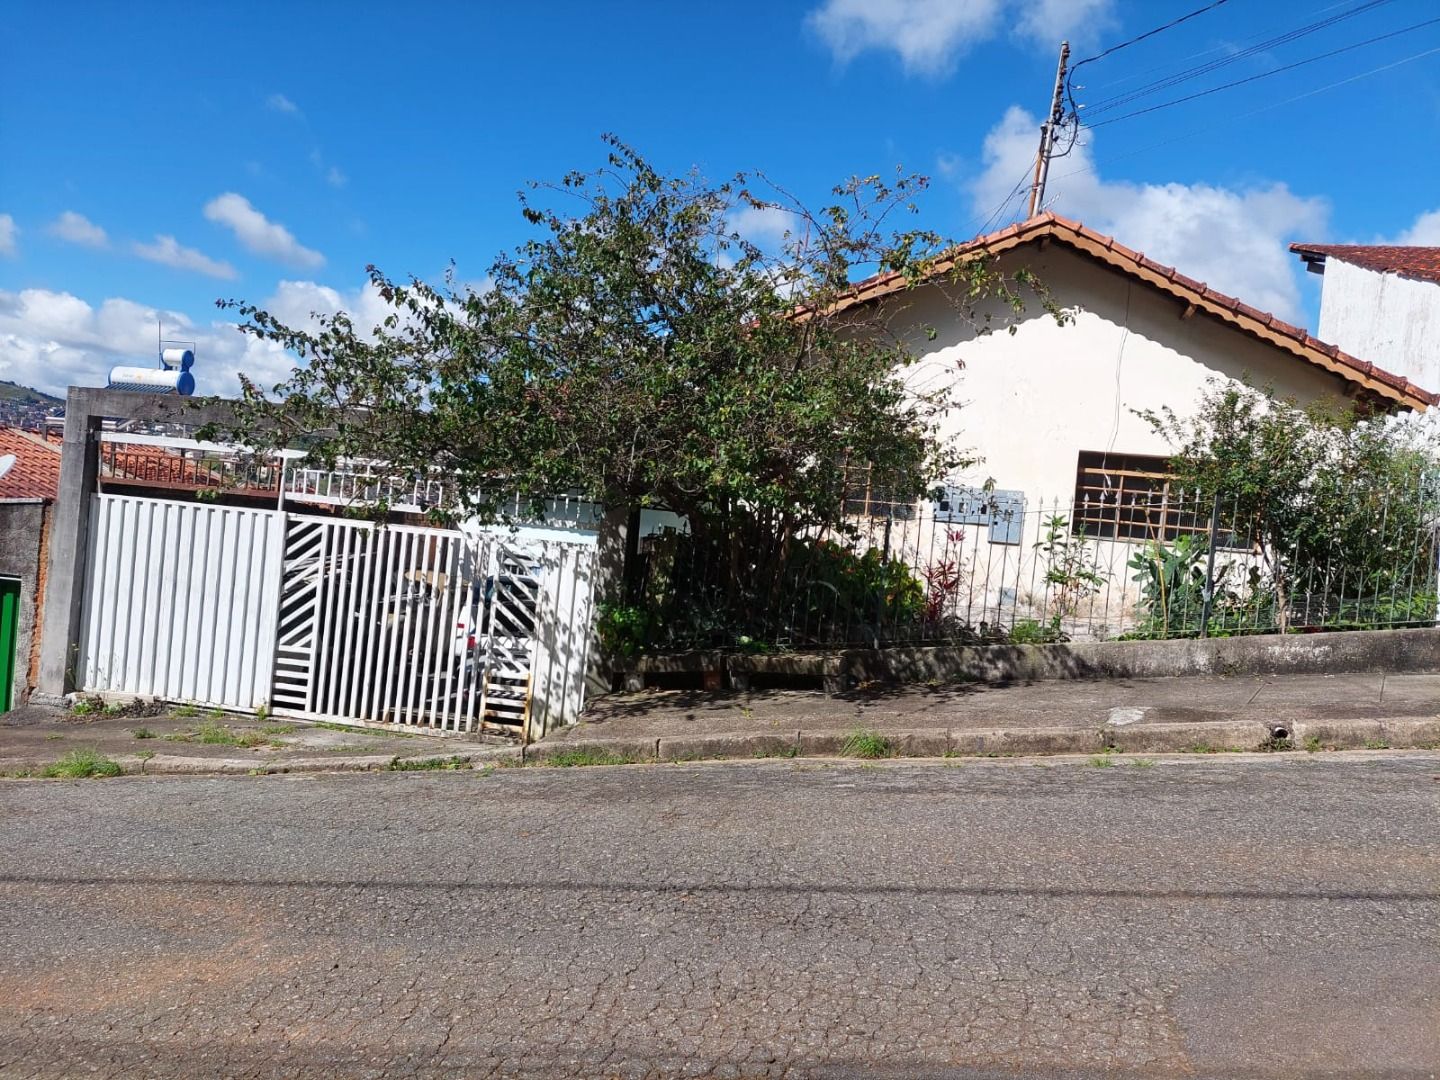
[(1196, 72), (1266, 74), (1229, 121), (1168, 65), (1150, 33)]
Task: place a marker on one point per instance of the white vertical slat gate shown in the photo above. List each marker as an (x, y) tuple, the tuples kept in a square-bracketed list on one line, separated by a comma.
[(326, 618), (432, 629), (180, 601)]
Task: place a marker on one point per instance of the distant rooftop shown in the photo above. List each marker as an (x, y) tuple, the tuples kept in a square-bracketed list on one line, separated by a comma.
[(1420, 263), (36, 474)]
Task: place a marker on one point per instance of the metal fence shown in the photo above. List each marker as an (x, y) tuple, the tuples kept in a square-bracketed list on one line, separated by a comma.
[(978, 566)]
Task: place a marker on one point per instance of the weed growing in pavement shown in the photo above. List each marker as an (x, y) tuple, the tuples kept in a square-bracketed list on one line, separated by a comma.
[(142, 733), (426, 764), (1143, 763), (1272, 744), (213, 734), (185, 712), (1100, 761), (114, 708), (1376, 744), (1312, 744), (587, 755), (217, 715), (83, 707), (78, 764), (145, 755), (868, 744), (54, 737), (1203, 747), (277, 729), (777, 752)]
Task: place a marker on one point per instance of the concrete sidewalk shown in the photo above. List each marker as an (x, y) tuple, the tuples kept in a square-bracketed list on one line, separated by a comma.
[(1194, 713), (1141, 715), (181, 740)]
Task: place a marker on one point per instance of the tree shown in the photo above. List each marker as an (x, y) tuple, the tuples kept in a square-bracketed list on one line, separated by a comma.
[(642, 351), (1338, 505)]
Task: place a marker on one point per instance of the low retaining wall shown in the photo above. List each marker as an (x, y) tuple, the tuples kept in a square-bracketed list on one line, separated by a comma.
[(1270, 654)]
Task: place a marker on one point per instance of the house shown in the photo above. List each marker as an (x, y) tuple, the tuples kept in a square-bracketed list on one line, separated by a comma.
[(1049, 408), (1044, 529), (28, 486), (1381, 302)]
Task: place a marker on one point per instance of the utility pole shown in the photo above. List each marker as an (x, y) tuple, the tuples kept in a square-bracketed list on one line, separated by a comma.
[(1048, 131)]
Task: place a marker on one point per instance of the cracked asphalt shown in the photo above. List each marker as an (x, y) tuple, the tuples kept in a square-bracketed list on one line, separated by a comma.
[(1238, 917)]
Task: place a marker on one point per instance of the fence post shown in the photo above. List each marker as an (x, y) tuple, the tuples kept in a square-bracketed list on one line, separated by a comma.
[(1208, 595), (880, 588)]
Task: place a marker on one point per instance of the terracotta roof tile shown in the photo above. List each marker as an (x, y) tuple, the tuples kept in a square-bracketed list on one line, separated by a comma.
[(1421, 263), (36, 473), (1300, 342)]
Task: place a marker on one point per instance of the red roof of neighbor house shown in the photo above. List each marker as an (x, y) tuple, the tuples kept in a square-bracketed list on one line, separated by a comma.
[(1362, 374), (36, 474), (1421, 263)]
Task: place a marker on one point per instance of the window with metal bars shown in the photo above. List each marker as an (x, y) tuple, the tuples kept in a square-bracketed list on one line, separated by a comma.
[(867, 495), (1132, 497)]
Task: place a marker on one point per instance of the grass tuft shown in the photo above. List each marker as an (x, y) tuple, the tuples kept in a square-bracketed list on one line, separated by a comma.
[(777, 752), (143, 733), (868, 745), (79, 764), (1100, 761), (580, 756), (427, 764), (213, 734)]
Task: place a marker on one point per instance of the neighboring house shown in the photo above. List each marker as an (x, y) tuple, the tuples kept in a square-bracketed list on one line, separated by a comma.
[(1049, 408), (27, 492), (1381, 302)]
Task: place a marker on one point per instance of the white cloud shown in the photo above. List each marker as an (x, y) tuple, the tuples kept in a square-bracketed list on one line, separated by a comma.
[(1048, 22), (258, 234), (76, 228), (1424, 233), (763, 226), (8, 231), (281, 104), (335, 178), (50, 340), (169, 252), (930, 35), (294, 302), (1234, 239)]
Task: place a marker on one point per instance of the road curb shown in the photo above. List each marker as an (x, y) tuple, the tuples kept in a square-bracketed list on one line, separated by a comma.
[(1393, 733), (1398, 733), (177, 765)]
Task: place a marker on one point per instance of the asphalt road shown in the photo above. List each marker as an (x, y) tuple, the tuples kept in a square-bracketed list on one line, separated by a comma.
[(1235, 918)]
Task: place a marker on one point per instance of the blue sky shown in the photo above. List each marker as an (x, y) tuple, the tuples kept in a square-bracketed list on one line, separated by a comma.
[(155, 157)]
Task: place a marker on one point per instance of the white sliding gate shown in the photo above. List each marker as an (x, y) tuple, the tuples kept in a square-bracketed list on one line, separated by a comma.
[(180, 602), (326, 618)]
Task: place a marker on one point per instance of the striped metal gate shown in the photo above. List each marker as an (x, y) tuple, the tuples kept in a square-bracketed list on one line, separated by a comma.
[(180, 601), (431, 628), (320, 617)]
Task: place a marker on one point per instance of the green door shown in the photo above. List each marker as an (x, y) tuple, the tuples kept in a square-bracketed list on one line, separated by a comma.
[(9, 632)]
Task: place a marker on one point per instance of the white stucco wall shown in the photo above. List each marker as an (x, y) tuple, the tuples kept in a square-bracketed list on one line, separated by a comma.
[(1035, 399), (1389, 320)]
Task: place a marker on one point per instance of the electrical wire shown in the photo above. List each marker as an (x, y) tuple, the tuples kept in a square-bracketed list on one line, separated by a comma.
[(1107, 104), (1266, 74), (1229, 121), (1149, 34), (1168, 65), (998, 213)]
